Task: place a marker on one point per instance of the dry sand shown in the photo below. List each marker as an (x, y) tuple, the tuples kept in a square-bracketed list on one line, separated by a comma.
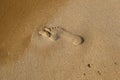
[(25, 55)]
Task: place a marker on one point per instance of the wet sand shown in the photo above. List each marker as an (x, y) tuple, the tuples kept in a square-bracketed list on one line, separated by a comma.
[(18, 20), (27, 56)]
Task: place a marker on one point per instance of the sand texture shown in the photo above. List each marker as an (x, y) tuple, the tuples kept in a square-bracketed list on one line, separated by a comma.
[(29, 51)]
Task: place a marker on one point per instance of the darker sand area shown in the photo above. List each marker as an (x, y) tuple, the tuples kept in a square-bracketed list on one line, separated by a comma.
[(26, 55)]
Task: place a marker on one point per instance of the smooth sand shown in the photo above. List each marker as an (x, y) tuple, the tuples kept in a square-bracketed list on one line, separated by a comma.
[(24, 55)]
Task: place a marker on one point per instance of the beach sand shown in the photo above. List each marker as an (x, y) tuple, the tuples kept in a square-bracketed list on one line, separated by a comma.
[(26, 55)]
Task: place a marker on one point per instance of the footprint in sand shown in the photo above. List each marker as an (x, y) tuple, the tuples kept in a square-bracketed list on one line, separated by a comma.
[(54, 33)]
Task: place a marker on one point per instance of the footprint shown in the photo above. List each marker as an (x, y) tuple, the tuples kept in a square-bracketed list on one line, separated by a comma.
[(54, 33)]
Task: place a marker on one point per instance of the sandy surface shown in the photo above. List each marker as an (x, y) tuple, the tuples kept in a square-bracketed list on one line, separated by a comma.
[(27, 56)]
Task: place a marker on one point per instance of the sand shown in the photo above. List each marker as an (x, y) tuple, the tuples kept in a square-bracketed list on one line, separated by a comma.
[(26, 55)]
